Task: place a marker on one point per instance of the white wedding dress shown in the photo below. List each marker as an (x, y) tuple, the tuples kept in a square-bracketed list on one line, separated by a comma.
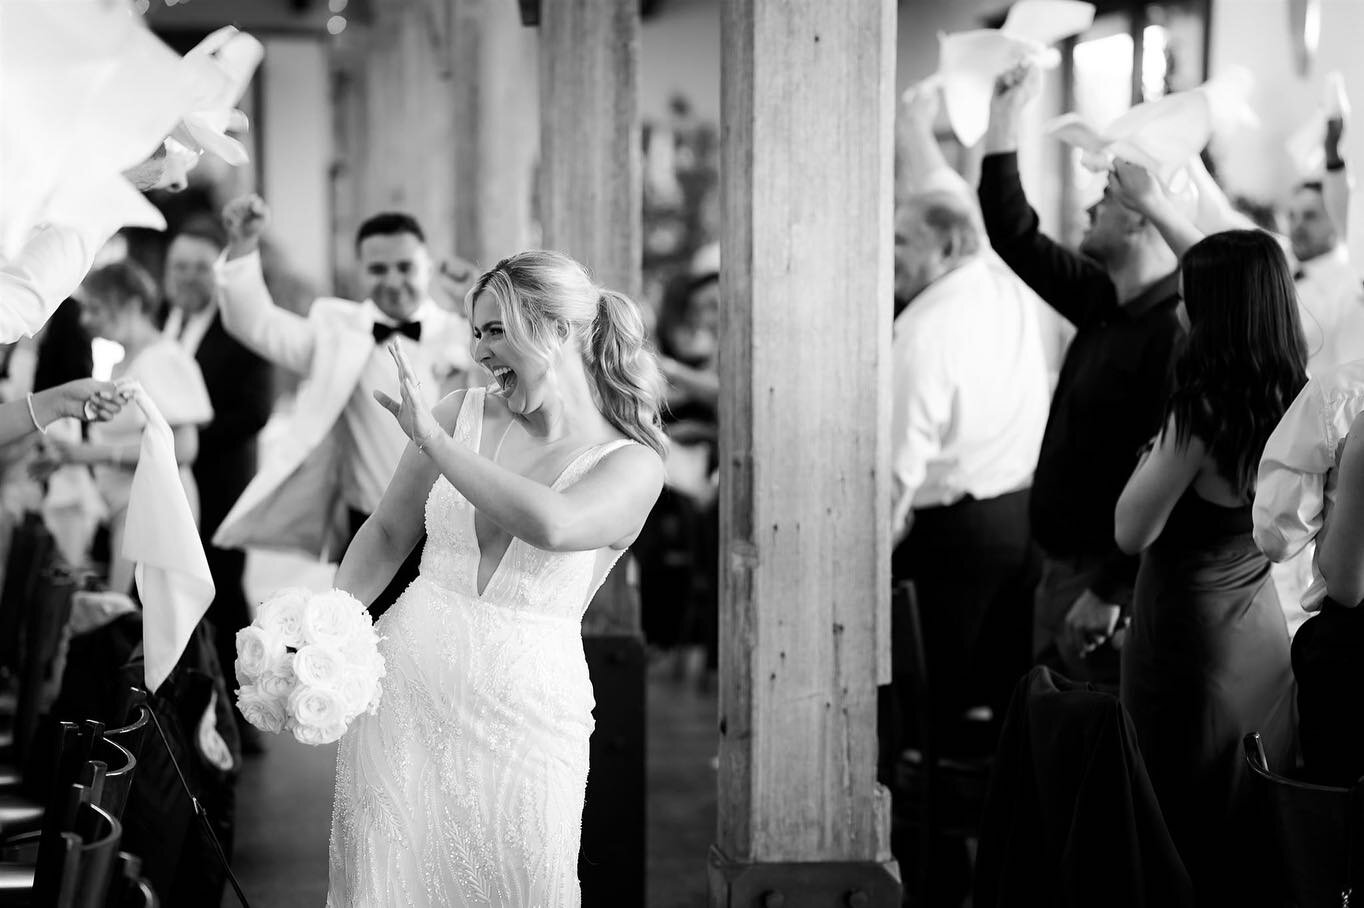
[(466, 788)]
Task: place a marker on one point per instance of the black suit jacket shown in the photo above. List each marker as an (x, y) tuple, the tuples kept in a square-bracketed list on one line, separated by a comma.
[(241, 389)]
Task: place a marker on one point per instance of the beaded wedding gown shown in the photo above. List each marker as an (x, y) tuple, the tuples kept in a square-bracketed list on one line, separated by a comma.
[(466, 788)]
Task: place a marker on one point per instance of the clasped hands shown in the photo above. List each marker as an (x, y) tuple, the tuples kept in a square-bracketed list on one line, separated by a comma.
[(1089, 624)]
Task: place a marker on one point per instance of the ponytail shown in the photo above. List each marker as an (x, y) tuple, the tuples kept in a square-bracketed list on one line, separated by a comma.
[(624, 371)]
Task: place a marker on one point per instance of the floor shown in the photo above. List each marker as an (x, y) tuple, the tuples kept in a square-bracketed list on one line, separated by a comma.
[(284, 796)]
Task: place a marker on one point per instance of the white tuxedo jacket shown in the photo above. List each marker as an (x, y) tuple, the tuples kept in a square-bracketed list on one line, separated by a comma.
[(294, 503)]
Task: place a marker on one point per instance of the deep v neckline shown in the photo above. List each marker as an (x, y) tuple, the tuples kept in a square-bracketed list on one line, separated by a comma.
[(473, 511)]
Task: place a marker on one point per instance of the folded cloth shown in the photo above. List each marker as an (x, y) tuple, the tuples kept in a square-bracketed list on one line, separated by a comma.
[(161, 539)]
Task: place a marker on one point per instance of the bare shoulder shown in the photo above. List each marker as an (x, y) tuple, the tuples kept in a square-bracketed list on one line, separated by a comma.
[(633, 458), (447, 409)]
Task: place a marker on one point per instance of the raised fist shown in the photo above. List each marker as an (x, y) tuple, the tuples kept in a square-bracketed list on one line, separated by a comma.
[(245, 218)]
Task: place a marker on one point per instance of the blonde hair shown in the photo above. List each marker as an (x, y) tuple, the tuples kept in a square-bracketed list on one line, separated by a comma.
[(545, 298)]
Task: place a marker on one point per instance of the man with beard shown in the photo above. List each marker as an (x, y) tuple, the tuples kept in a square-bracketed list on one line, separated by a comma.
[(1121, 292), (340, 449)]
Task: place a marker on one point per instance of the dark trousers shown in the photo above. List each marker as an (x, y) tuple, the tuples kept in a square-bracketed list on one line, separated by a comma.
[(402, 578), (974, 568), (1330, 676), (228, 612)]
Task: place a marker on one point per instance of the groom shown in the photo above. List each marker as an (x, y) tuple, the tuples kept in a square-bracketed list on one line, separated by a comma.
[(340, 448)]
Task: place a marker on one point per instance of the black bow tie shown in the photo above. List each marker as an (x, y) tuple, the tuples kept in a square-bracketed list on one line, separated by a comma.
[(383, 332)]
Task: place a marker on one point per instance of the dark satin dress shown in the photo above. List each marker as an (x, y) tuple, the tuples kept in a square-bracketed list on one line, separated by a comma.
[(1205, 663)]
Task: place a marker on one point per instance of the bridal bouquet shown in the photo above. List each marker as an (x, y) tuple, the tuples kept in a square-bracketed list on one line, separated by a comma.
[(308, 664)]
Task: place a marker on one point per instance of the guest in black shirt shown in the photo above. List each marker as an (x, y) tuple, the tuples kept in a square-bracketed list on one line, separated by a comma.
[(1121, 294)]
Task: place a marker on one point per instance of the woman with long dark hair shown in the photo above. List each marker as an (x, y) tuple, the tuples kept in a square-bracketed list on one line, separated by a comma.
[(1207, 658)]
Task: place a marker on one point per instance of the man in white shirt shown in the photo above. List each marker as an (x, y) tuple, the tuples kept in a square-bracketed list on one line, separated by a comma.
[(1330, 295), (342, 447), (970, 396)]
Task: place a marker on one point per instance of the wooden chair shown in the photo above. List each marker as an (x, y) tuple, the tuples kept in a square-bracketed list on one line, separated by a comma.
[(936, 794), (1318, 833)]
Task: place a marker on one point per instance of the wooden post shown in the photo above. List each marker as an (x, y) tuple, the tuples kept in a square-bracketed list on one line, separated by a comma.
[(807, 106), (591, 208), (591, 201), (496, 129)]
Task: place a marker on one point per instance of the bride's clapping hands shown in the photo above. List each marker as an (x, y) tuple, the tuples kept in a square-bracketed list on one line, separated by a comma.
[(411, 411)]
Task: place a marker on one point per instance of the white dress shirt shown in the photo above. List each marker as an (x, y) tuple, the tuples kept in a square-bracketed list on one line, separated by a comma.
[(1296, 486), (1331, 303), (46, 271), (970, 393), (376, 438)]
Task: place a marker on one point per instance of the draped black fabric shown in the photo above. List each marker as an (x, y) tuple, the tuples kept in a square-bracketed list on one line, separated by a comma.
[(159, 825), (1071, 819)]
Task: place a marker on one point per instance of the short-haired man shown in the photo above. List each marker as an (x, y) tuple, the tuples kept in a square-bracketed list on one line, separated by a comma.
[(969, 402), (1121, 292), (342, 447)]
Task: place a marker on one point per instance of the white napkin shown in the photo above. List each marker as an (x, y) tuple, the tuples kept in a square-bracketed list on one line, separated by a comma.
[(235, 55), (970, 61), (172, 574)]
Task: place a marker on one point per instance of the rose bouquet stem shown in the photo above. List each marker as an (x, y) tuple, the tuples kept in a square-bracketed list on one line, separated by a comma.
[(199, 810)]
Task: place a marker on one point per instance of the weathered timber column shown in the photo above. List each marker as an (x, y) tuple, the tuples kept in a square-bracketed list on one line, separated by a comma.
[(496, 129), (807, 107), (591, 207), (591, 201)]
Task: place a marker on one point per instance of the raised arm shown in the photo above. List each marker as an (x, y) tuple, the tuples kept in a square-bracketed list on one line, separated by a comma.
[(390, 533), (1075, 286), (1336, 183), (249, 313), (1165, 470), (607, 507), (1134, 187)]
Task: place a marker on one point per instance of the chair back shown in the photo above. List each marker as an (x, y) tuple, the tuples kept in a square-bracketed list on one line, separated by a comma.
[(129, 889), (98, 835), (1318, 832), (44, 620), (131, 736), (911, 661), (118, 777)]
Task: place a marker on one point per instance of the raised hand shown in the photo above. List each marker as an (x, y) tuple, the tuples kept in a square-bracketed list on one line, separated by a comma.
[(245, 219), (411, 411), (1135, 188), (921, 102), (1013, 90), (454, 277)]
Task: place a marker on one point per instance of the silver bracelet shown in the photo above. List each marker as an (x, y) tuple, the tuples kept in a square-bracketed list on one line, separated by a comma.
[(33, 415)]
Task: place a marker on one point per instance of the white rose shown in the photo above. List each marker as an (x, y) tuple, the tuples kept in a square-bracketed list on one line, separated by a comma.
[(257, 649), (330, 619), (282, 613), (355, 691), (265, 713), (361, 654), (306, 734), (319, 666), (278, 679), (313, 707)]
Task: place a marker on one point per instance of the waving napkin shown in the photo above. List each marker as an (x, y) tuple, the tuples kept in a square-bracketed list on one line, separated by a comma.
[(1161, 135), (970, 61), (161, 539)]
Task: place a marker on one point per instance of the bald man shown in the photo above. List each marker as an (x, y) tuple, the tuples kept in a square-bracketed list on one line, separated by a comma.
[(969, 405)]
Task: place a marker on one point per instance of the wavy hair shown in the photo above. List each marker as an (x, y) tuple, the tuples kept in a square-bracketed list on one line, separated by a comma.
[(545, 298), (1245, 359)]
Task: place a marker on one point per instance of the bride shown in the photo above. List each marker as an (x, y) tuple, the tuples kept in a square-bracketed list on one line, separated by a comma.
[(466, 788)]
